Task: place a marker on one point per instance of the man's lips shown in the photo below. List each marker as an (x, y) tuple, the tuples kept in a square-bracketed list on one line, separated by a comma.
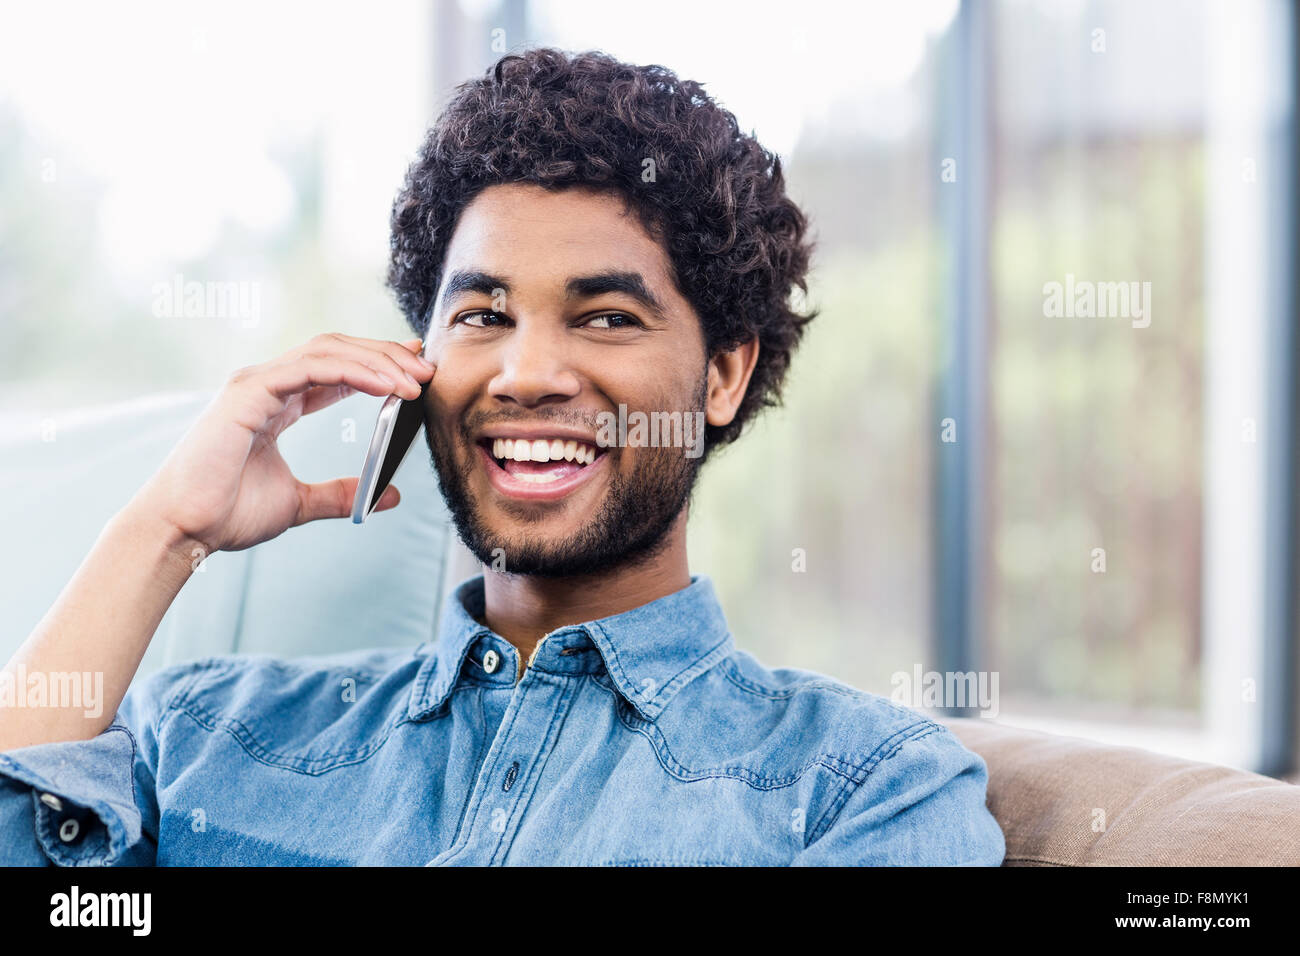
[(524, 485)]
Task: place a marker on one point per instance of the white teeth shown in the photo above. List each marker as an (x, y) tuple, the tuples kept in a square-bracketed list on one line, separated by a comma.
[(537, 479), (542, 450)]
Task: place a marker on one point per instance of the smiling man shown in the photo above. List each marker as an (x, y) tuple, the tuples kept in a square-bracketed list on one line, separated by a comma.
[(580, 242), (559, 310)]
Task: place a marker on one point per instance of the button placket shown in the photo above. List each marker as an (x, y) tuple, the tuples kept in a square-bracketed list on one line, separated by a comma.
[(531, 719)]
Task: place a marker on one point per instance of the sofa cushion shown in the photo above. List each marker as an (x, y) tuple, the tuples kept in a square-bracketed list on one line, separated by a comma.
[(1065, 801), (322, 588)]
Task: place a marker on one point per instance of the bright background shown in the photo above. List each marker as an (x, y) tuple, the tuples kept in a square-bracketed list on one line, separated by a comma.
[(1147, 140)]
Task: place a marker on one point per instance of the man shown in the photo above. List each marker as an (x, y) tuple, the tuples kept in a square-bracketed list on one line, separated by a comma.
[(580, 241)]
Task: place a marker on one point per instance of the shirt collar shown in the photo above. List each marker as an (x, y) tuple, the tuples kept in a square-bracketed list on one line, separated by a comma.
[(650, 652)]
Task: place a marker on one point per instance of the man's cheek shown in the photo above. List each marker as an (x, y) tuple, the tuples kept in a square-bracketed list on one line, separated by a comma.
[(442, 405), (458, 372)]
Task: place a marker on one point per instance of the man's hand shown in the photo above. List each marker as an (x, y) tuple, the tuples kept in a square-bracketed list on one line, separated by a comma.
[(225, 485), (223, 488)]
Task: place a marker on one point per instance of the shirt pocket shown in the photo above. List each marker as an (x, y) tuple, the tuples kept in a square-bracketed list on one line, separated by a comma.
[(307, 719)]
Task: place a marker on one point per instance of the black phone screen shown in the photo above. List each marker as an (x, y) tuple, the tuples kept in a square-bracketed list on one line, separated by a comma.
[(410, 416)]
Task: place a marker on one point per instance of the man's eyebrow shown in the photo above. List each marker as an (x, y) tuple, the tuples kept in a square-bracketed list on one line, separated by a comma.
[(463, 282), (630, 284)]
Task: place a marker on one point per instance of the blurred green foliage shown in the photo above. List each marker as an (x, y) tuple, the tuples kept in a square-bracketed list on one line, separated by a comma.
[(842, 472), (1098, 426)]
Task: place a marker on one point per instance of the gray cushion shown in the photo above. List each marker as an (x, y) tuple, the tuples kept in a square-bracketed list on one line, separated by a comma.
[(323, 587)]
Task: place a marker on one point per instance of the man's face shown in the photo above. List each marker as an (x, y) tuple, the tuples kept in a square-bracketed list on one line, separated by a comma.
[(556, 307)]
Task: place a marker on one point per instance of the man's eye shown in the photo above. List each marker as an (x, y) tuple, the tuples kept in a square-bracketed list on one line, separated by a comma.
[(486, 319), (612, 320)]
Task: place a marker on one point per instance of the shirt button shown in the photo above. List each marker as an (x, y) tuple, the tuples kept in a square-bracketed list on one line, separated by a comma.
[(68, 830), (51, 801), (491, 660)]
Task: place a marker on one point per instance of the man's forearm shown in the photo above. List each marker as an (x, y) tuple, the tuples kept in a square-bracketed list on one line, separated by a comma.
[(101, 624)]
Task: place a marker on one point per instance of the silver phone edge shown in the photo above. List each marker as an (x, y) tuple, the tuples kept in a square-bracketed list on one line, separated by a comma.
[(375, 455)]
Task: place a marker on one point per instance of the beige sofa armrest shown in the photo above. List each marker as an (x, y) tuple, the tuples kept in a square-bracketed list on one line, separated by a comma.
[(1065, 801)]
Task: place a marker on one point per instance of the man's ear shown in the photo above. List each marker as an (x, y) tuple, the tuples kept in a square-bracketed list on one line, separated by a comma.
[(729, 374)]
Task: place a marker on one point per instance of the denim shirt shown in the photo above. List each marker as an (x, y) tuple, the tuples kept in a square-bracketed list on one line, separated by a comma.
[(644, 738)]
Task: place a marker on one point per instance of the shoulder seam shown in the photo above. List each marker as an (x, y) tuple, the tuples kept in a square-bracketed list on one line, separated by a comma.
[(895, 742), (821, 682)]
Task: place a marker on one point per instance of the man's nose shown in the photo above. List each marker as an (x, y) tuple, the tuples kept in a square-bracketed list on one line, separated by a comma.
[(535, 367)]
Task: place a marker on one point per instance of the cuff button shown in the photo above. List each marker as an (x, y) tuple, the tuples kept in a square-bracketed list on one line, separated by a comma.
[(51, 801), (69, 830)]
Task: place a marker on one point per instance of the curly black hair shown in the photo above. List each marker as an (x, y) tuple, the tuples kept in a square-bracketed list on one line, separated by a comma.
[(713, 196)]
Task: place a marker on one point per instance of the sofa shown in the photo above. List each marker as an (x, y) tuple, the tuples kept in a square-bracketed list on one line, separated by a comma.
[(1066, 801), (1061, 801)]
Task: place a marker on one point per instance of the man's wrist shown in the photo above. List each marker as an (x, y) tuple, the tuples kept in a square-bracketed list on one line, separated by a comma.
[(173, 551)]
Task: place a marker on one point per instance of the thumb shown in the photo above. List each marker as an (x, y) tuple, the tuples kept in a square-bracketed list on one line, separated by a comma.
[(389, 499), (333, 499)]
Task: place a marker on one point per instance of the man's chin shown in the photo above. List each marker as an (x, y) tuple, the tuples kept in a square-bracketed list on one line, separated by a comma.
[(538, 559), (521, 548), (556, 555)]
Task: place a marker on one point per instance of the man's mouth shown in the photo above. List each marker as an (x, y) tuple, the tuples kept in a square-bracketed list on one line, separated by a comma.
[(539, 468)]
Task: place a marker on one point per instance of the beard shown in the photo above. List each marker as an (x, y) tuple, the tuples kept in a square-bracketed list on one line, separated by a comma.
[(629, 527)]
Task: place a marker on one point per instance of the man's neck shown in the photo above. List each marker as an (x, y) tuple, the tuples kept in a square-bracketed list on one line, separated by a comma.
[(524, 608)]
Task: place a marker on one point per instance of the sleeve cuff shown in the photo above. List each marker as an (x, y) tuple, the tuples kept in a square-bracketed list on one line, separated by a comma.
[(83, 797)]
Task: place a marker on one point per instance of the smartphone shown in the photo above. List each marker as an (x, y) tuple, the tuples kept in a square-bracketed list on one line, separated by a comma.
[(395, 431)]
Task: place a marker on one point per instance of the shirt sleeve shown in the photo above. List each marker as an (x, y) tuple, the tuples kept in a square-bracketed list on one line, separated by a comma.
[(922, 804), (87, 802)]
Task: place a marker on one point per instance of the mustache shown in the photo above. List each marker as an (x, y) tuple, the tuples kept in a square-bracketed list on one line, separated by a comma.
[(475, 422)]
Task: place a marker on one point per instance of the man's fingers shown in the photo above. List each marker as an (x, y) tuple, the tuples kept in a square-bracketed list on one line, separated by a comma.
[(322, 397), (314, 399), (406, 371), (389, 499), (401, 354), (325, 499), (407, 385), (284, 379), (333, 499)]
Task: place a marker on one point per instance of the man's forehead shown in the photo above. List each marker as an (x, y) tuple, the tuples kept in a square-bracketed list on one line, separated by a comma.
[(505, 225)]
